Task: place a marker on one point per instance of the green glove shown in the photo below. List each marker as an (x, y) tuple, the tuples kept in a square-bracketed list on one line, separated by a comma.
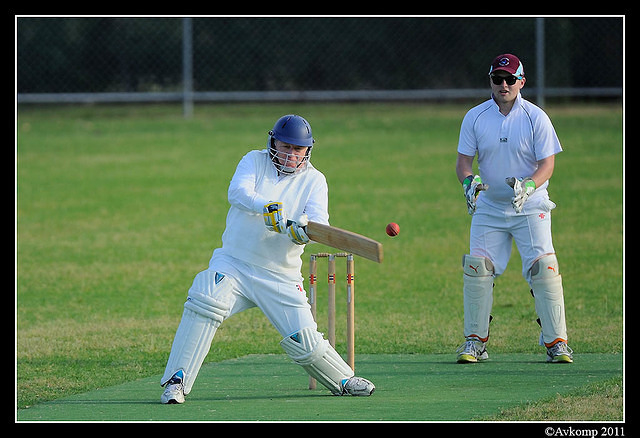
[(472, 186)]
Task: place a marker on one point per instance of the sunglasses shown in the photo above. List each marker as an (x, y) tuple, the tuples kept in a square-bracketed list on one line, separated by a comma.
[(497, 80)]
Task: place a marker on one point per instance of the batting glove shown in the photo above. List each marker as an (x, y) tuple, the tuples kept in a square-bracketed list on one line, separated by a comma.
[(472, 186), (296, 232), (522, 189), (274, 217)]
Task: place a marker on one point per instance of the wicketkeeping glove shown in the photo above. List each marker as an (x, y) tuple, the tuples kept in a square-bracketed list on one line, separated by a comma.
[(274, 218), (472, 186), (522, 189)]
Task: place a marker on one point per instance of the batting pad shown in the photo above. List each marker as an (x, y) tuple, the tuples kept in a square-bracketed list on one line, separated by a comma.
[(319, 359), (546, 283), (201, 318), (478, 296)]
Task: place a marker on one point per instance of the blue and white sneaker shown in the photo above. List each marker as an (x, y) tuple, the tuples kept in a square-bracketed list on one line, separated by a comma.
[(357, 386), (174, 390)]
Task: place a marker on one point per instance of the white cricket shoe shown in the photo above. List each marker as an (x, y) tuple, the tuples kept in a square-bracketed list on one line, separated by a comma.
[(174, 390), (357, 386), (473, 350), (560, 353)]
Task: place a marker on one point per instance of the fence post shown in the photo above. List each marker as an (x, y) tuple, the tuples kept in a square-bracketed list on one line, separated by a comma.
[(540, 61), (187, 68)]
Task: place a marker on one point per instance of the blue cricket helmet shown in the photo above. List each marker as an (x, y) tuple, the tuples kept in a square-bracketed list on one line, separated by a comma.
[(291, 129)]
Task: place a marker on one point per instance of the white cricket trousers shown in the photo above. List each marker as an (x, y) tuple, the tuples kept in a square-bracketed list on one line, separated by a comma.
[(227, 287), (283, 302), (493, 230)]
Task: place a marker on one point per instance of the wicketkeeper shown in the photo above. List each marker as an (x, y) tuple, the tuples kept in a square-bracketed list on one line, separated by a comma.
[(259, 264), (516, 145)]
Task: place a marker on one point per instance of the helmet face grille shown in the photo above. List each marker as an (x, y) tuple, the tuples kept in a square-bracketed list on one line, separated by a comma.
[(281, 159), (295, 130)]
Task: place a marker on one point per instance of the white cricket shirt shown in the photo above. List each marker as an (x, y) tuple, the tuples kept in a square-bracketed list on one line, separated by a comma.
[(506, 146), (255, 183)]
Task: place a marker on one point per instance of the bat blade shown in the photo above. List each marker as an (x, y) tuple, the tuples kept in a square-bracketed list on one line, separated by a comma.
[(345, 240)]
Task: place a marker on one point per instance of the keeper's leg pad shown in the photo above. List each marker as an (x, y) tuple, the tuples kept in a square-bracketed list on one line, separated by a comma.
[(201, 318), (478, 296), (319, 359), (546, 284)]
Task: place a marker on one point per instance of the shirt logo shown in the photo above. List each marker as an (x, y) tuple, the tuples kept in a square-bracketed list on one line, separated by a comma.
[(503, 139)]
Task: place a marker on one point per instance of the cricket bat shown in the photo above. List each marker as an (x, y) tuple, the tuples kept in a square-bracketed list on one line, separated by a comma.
[(345, 240)]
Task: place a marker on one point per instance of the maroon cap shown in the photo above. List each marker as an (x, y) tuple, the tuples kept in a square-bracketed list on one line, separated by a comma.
[(509, 63)]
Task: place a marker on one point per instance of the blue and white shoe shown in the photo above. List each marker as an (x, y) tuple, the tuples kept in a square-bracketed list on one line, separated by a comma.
[(174, 390), (357, 386)]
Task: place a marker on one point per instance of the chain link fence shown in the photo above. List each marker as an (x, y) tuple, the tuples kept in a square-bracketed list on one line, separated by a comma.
[(94, 59)]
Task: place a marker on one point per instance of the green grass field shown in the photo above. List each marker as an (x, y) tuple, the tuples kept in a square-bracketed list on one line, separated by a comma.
[(118, 207)]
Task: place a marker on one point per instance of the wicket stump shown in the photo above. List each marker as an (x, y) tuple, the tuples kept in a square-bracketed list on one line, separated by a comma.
[(331, 307)]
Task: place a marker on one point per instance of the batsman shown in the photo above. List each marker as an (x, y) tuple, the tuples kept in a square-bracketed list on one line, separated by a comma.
[(516, 145), (273, 193)]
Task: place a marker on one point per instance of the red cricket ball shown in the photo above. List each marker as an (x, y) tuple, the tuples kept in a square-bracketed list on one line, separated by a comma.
[(393, 229)]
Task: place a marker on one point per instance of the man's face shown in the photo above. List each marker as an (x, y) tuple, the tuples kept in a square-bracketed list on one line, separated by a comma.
[(502, 91), (290, 155)]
